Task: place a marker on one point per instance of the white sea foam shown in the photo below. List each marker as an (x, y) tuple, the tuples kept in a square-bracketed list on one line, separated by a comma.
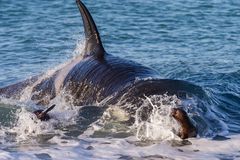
[(103, 148), (27, 127), (151, 139), (159, 125)]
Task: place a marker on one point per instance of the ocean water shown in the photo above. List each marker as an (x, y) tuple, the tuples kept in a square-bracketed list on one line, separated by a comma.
[(196, 41)]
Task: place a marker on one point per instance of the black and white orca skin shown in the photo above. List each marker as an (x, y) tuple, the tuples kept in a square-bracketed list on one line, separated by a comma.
[(98, 75)]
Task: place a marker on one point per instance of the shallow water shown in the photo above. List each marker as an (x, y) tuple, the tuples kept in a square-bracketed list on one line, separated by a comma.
[(197, 41)]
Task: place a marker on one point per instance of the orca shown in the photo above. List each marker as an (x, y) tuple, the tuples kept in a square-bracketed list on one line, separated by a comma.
[(97, 75)]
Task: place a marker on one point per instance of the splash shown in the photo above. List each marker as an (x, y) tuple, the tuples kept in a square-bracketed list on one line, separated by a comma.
[(26, 127), (116, 121), (159, 124)]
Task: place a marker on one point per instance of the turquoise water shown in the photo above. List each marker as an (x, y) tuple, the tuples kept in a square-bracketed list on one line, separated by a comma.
[(193, 40)]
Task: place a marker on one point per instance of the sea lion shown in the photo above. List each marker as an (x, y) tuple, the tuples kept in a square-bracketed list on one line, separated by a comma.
[(187, 129), (97, 76)]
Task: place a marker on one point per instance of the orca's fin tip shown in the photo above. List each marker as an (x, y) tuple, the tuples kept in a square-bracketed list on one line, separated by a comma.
[(93, 44)]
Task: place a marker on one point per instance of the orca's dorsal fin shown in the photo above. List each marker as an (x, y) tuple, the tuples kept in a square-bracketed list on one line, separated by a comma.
[(93, 46)]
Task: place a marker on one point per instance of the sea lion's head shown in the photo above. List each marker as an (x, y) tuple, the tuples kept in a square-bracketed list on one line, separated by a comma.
[(179, 114), (187, 128)]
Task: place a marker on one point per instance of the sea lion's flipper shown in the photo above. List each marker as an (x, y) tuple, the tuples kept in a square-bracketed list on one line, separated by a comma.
[(93, 45), (43, 114), (49, 109)]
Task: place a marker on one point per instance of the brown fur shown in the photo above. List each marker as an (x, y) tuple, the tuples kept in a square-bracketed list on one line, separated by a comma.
[(187, 129)]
